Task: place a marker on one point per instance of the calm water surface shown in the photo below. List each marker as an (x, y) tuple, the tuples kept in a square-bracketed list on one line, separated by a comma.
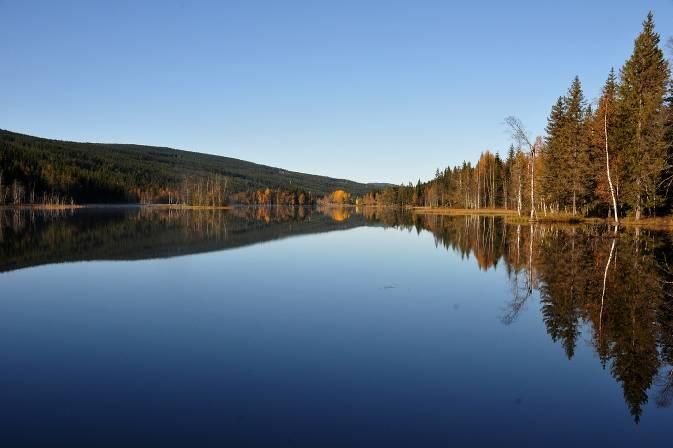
[(293, 327)]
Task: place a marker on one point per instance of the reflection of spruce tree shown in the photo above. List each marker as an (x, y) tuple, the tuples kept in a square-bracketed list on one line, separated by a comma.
[(665, 317), (665, 379), (563, 268), (600, 313), (665, 311), (632, 326)]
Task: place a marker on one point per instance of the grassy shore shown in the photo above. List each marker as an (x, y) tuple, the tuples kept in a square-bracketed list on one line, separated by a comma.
[(660, 222), (463, 211)]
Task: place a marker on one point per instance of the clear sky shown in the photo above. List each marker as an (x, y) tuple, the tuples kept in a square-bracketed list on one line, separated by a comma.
[(368, 90)]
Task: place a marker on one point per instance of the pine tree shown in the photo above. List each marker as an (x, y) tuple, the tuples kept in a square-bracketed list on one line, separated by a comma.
[(577, 176), (501, 187), (418, 195), (553, 154), (509, 176), (667, 181), (644, 79), (590, 198)]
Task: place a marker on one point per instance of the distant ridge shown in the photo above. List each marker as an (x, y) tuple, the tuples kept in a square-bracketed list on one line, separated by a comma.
[(103, 172)]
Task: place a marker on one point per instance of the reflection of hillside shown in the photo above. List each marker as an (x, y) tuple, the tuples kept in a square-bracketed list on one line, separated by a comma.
[(31, 238), (619, 286)]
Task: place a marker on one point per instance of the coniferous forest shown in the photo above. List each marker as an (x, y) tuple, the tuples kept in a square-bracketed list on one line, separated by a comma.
[(41, 171), (611, 157)]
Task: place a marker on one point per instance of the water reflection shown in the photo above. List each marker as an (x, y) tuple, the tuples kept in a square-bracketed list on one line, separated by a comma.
[(616, 285), (619, 284), (35, 237)]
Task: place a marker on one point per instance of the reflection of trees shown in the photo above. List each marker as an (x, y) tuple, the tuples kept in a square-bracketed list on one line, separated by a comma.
[(631, 320), (31, 237), (522, 279), (565, 268), (619, 286), (664, 382)]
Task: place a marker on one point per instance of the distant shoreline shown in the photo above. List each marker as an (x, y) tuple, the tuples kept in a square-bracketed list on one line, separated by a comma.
[(510, 216)]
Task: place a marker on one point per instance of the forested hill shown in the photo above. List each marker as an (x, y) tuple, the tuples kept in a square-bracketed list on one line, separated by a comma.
[(38, 170)]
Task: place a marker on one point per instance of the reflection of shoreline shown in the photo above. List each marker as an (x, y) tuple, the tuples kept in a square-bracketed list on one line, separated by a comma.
[(32, 237), (656, 223), (188, 207)]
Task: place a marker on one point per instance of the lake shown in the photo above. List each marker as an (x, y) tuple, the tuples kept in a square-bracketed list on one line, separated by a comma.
[(336, 327)]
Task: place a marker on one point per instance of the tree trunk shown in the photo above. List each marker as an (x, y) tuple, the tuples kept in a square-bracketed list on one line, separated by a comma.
[(638, 201), (532, 180), (607, 167), (518, 198), (478, 187)]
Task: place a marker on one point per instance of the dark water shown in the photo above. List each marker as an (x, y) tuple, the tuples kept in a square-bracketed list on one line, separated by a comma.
[(292, 327)]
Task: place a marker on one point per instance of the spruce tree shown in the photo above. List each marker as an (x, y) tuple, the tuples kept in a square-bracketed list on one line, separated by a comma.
[(567, 178), (644, 79), (418, 194), (509, 177), (553, 155), (577, 176)]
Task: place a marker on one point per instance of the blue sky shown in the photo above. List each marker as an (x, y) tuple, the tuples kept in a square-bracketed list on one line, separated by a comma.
[(372, 91)]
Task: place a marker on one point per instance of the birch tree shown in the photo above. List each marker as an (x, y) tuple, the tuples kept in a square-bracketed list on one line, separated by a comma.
[(603, 126), (520, 135)]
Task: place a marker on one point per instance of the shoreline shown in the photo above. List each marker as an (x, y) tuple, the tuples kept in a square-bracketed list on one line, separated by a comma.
[(657, 223), (462, 211), (510, 216)]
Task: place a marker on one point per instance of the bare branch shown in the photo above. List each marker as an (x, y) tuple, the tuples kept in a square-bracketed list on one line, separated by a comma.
[(519, 133)]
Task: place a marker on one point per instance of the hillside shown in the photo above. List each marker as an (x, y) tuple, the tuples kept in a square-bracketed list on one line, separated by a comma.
[(43, 169)]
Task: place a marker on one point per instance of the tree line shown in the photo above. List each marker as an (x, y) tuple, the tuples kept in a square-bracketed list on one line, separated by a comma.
[(610, 158)]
